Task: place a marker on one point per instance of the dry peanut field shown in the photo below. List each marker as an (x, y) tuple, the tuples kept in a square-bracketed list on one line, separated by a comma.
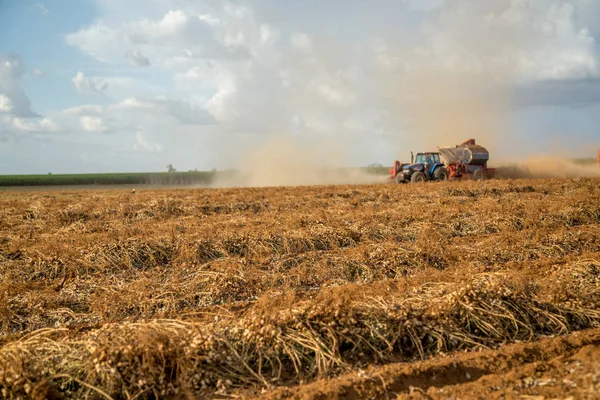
[(441, 290)]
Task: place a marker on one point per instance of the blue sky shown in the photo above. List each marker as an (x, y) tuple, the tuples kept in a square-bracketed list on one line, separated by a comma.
[(38, 39), (110, 85)]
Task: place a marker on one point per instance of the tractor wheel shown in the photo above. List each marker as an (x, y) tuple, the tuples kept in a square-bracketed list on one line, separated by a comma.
[(441, 174), (478, 175), (417, 177), (400, 178)]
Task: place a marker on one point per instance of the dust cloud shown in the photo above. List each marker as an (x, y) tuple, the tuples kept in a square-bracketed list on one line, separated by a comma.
[(445, 107), (460, 82), (284, 160), (544, 166), (456, 82)]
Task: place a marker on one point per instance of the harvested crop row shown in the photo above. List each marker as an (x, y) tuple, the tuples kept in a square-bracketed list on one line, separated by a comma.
[(322, 336), (564, 367), (273, 286), (183, 291)]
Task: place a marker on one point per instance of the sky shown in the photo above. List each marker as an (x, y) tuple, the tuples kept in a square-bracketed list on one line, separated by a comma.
[(132, 86)]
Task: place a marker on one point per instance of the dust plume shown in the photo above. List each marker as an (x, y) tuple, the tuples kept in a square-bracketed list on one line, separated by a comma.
[(285, 160), (445, 107), (545, 166), (456, 80), (460, 81)]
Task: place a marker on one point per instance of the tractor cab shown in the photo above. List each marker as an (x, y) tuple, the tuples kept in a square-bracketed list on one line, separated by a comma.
[(423, 167), (428, 160)]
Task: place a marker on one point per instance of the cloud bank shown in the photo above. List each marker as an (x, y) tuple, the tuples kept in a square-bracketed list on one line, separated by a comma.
[(219, 79)]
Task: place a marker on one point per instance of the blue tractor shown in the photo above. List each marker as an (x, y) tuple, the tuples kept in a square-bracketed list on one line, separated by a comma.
[(423, 167)]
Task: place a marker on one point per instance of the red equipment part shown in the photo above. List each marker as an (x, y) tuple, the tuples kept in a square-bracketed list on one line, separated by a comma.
[(459, 171), (456, 170), (469, 142), (396, 169)]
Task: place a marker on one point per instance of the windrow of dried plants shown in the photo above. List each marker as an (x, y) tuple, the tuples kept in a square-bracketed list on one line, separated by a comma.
[(192, 293)]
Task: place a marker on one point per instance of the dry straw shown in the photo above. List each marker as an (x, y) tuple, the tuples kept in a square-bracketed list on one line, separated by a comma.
[(218, 291)]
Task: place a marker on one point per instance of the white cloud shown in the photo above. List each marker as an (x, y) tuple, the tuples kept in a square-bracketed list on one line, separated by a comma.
[(85, 109), (183, 112), (98, 40), (35, 125), (263, 69), (16, 116), (335, 93), (143, 145), (173, 23), (534, 41), (239, 73), (11, 72), (209, 20), (38, 72), (132, 114), (177, 35), (268, 34), (5, 104), (137, 59), (86, 84), (208, 74), (425, 5), (366, 120), (133, 103), (92, 124), (301, 41), (43, 9), (115, 87)]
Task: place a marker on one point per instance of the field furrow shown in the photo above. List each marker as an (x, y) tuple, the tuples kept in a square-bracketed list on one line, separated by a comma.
[(220, 292)]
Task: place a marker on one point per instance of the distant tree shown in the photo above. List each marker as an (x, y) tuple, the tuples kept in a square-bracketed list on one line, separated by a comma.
[(375, 168), (170, 168)]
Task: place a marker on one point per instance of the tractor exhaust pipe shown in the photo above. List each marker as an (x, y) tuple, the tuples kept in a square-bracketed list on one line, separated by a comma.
[(412, 157)]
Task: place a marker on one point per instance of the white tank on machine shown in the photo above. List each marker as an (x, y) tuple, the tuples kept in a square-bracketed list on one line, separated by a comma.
[(468, 153)]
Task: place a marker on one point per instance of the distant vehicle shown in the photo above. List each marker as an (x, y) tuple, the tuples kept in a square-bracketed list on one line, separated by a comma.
[(464, 161)]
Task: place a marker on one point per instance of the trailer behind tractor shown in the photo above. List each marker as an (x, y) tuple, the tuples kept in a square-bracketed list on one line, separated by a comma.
[(467, 160)]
